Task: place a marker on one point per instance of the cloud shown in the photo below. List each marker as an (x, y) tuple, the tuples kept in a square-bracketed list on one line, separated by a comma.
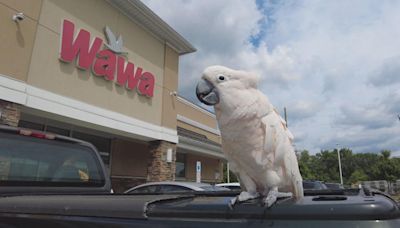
[(388, 73), (373, 116), (333, 64), (392, 102), (370, 140), (302, 109), (222, 32)]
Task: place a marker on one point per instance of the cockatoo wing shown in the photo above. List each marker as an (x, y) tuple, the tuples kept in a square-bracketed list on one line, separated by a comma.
[(284, 124), (279, 153)]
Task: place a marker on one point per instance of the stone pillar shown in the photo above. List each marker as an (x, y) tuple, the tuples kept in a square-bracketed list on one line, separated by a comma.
[(158, 168), (9, 113)]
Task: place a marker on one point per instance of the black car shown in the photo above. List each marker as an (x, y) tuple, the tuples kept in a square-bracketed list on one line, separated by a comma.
[(326, 208), (313, 185), (333, 185)]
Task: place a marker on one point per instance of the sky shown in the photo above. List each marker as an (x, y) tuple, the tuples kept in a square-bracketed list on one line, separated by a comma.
[(334, 65)]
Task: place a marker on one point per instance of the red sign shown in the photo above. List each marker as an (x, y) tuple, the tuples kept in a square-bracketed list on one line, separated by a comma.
[(104, 63)]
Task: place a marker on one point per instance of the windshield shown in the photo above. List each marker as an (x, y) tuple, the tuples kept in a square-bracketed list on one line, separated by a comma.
[(27, 161)]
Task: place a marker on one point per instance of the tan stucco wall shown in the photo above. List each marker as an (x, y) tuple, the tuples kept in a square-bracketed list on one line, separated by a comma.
[(129, 158), (47, 72), (194, 114), (201, 117), (209, 166), (17, 39), (171, 66)]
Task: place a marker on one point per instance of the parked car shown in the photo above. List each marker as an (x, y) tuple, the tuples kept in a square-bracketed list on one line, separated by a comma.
[(235, 186), (34, 162), (334, 186), (173, 186), (200, 209), (313, 185)]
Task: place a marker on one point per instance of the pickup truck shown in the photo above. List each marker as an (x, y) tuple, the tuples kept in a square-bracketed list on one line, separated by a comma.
[(33, 162), (40, 189)]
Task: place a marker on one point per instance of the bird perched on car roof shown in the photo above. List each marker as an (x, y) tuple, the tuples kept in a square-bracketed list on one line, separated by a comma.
[(255, 139)]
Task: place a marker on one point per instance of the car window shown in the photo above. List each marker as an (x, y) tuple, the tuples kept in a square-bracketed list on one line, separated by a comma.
[(233, 188), (315, 185), (309, 185), (174, 188), (28, 161), (213, 188)]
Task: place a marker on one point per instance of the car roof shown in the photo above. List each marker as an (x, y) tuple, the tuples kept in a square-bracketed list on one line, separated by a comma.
[(228, 184), (345, 208)]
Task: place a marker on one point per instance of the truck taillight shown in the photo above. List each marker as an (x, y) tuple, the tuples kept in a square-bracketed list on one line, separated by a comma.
[(36, 134)]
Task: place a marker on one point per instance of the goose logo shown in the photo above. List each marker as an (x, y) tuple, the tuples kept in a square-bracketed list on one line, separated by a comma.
[(109, 63), (114, 44)]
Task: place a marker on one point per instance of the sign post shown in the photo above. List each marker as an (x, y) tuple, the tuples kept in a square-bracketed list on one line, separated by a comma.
[(198, 171)]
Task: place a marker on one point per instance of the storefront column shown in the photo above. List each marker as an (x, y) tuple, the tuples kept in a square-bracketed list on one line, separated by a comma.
[(160, 168), (9, 113)]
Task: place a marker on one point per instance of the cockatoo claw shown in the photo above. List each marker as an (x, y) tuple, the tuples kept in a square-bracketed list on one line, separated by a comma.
[(243, 196), (274, 195)]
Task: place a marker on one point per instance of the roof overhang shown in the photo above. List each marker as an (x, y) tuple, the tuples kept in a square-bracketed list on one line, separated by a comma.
[(193, 146), (148, 20)]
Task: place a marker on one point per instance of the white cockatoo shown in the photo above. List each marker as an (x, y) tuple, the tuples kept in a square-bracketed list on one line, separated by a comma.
[(255, 140)]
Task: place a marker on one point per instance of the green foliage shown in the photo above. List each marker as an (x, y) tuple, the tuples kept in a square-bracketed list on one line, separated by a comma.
[(355, 167), (358, 176)]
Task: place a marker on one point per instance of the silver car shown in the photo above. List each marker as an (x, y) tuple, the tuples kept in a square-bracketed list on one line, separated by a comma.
[(173, 186), (234, 186)]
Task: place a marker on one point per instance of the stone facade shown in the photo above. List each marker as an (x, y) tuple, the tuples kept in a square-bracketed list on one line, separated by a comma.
[(9, 113), (158, 168)]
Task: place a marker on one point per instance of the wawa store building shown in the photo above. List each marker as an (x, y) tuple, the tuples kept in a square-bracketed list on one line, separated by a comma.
[(106, 72)]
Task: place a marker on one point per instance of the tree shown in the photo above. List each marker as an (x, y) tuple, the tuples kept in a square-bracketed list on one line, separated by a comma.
[(305, 162), (386, 154), (355, 167), (386, 167), (357, 176), (232, 176)]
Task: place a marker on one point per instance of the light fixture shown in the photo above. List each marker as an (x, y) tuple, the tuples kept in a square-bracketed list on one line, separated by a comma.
[(169, 155), (18, 17)]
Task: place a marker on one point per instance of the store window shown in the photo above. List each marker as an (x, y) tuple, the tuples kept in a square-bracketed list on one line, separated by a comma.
[(180, 165), (43, 127), (31, 125), (57, 130)]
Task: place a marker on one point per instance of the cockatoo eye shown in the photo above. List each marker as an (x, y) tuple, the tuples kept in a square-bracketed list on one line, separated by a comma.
[(221, 78)]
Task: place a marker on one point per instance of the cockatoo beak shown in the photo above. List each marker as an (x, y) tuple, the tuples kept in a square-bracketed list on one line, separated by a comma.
[(207, 93)]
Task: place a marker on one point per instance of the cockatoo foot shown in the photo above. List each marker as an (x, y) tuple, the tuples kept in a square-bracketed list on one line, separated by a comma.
[(243, 196), (274, 195)]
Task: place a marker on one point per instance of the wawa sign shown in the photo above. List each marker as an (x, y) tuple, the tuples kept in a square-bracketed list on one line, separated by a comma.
[(108, 62)]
